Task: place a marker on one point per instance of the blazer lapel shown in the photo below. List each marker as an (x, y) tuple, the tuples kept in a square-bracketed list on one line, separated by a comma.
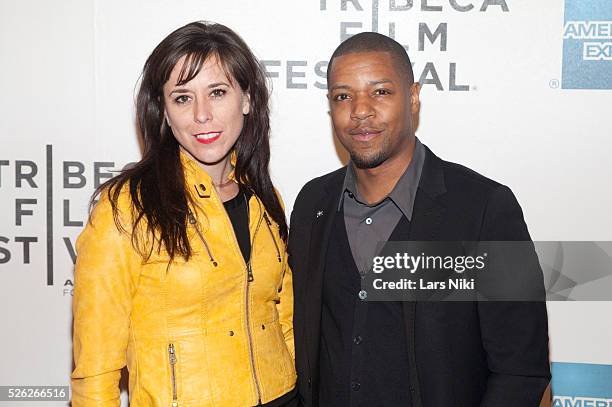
[(430, 203), (427, 215)]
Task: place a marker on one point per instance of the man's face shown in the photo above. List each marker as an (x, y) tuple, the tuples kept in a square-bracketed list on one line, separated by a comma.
[(371, 105)]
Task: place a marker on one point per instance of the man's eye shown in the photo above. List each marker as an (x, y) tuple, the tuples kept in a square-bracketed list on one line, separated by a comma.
[(341, 96), (182, 99), (382, 92), (218, 93)]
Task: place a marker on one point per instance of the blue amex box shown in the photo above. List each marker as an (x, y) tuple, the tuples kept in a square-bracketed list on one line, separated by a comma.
[(587, 45), (581, 385)]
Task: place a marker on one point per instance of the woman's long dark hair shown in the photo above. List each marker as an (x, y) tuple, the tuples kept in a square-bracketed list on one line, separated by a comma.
[(156, 183)]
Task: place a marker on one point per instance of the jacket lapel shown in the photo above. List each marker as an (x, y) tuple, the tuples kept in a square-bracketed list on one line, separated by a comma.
[(427, 215), (430, 203)]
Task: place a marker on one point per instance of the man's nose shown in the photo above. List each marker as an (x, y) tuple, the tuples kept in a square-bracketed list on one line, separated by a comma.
[(362, 108)]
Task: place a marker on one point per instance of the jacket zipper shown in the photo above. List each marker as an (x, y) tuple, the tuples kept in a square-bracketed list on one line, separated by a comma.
[(192, 220), (249, 279), (269, 225), (251, 354), (172, 359)]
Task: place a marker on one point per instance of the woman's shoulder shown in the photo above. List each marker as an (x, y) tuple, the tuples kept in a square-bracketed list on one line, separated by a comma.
[(113, 203)]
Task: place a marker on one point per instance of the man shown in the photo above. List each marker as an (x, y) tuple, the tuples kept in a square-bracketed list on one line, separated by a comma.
[(351, 352)]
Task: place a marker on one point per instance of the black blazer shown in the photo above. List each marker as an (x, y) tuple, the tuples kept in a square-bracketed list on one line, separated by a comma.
[(461, 353)]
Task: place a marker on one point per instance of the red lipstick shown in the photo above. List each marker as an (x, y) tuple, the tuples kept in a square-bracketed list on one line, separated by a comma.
[(208, 137)]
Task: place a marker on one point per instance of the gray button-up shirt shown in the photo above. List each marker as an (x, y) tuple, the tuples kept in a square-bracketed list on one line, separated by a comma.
[(368, 225)]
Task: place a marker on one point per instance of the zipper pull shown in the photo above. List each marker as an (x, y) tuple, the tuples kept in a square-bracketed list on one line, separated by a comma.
[(172, 358), (278, 256), (250, 273), (172, 354), (192, 221)]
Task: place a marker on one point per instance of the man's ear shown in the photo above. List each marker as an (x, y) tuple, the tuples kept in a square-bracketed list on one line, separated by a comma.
[(415, 90)]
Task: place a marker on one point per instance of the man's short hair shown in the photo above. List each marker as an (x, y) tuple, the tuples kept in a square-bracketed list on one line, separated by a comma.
[(375, 42)]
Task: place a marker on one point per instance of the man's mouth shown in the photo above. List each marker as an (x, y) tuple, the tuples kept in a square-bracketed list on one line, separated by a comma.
[(364, 133), (208, 137)]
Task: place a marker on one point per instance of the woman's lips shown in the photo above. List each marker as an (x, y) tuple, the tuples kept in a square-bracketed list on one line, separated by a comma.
[(208, 137)]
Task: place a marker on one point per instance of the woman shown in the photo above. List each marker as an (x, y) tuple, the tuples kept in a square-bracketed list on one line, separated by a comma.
[(182, 272)]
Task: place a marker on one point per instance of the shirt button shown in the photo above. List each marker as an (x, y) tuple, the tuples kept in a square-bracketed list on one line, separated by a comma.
[(368, 221), (357, 340), (363, 295), (350, 194), (355, 386)]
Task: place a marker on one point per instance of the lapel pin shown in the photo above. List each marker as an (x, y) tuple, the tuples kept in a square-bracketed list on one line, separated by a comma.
[(319, 214)]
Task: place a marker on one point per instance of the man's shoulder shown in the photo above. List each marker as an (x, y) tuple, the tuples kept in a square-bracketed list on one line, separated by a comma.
[(457, 175), (461, 185), (473, 191), (318, 187), (322, 184)]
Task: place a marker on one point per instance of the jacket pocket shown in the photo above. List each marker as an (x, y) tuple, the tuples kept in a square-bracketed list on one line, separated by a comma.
[(274, 360)]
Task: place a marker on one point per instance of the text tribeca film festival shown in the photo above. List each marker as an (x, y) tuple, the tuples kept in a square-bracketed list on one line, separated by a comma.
[(349, 17)]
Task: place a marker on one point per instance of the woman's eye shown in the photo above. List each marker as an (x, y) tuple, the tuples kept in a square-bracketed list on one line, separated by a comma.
[(182, 99), (218, 93)]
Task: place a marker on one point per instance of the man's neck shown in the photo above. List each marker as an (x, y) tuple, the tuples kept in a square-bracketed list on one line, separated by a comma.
[(375, 184)]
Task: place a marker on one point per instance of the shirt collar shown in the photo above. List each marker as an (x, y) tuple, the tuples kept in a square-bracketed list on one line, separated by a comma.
[(404, 192)]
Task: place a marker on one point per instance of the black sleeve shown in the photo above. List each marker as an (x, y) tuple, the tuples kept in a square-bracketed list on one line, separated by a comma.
[(514, 334), (297, 247)]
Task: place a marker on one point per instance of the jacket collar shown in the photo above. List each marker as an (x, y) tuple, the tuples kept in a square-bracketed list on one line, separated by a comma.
[(197, 180)]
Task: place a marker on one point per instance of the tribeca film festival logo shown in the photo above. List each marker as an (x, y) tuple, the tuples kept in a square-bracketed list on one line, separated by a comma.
[(31, 178), (443, 74), (587, 45)]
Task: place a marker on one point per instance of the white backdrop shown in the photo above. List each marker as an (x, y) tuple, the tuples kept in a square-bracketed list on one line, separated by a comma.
[(68, 79)]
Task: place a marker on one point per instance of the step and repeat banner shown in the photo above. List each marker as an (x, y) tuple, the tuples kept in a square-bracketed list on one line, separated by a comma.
[(520, 91)]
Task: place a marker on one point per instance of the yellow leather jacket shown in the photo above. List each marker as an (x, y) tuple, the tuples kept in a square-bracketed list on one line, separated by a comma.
[(210, 331)]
